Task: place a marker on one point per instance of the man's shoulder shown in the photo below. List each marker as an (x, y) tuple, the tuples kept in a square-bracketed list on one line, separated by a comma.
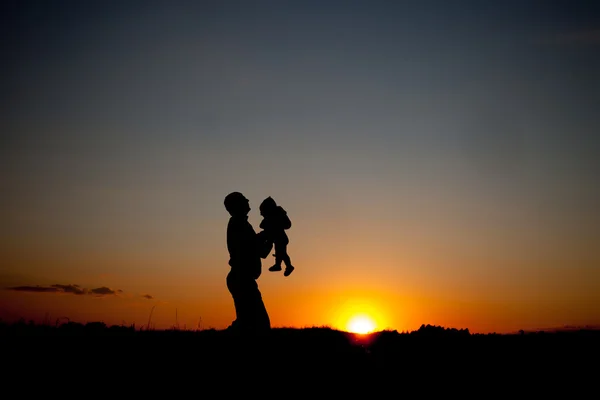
[(238, 221), (235, 224), (239, 224)]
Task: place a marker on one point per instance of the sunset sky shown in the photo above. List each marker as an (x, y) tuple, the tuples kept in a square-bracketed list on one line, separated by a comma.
[(439, 160)]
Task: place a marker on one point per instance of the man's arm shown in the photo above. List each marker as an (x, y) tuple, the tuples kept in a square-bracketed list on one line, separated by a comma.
[(244, 244), (264, 244)]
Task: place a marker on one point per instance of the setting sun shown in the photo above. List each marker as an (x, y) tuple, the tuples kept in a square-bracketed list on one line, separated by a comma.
[(361, 324), (359, 313)]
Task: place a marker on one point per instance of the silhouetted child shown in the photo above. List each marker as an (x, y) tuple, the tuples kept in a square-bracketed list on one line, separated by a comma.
[(275, 222)]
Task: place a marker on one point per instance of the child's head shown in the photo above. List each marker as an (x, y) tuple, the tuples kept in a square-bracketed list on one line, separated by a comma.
[(237, 204), (267, 206)]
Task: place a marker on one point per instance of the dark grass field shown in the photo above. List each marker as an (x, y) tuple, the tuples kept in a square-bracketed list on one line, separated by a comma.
[(314, 361)]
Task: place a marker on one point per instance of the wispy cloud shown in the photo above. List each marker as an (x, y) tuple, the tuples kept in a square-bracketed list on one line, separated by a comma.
[(147, 296), (104, 291), (36, 289), (72, 289), (75, 289)]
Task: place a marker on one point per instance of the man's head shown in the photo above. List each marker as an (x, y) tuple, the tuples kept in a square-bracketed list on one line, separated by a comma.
[(236, 204)]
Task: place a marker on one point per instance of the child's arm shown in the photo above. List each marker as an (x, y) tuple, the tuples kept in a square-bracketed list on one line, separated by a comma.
[(285, 220)]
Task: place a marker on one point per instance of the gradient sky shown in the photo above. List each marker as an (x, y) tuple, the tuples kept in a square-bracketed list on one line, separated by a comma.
[(439, 160)]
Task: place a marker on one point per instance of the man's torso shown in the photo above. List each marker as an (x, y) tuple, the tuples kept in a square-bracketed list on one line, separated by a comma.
[(242, 245)]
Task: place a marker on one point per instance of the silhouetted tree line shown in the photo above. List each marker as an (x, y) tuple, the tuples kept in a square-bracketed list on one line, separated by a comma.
[(440, 331), (98, 327), (69, 327)]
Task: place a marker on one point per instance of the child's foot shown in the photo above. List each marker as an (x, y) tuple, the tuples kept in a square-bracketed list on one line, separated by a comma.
[(275, 268), (288, 270)]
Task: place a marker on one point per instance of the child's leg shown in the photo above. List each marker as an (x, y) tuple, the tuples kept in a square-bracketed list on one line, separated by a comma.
[(279, 253), (285, 256), (288, 262)]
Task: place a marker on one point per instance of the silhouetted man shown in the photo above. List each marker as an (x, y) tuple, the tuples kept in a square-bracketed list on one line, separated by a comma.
[(246, 248)]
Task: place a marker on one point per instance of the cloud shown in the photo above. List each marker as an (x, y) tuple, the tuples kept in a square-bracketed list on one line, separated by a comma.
[(73, 289), (104, 291), (147, 296), (35, 289)]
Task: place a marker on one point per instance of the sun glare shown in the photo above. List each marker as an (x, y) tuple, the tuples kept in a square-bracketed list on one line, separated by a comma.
[(361, 324), (359, 314)]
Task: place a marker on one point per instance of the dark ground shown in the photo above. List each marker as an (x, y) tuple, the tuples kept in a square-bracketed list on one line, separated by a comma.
[(318, 362)]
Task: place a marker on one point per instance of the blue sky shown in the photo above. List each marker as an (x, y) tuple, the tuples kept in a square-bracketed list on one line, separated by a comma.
[(449, 127)]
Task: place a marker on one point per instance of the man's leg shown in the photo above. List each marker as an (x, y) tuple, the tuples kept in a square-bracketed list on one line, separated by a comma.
[(256, 307), (237, 293)]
